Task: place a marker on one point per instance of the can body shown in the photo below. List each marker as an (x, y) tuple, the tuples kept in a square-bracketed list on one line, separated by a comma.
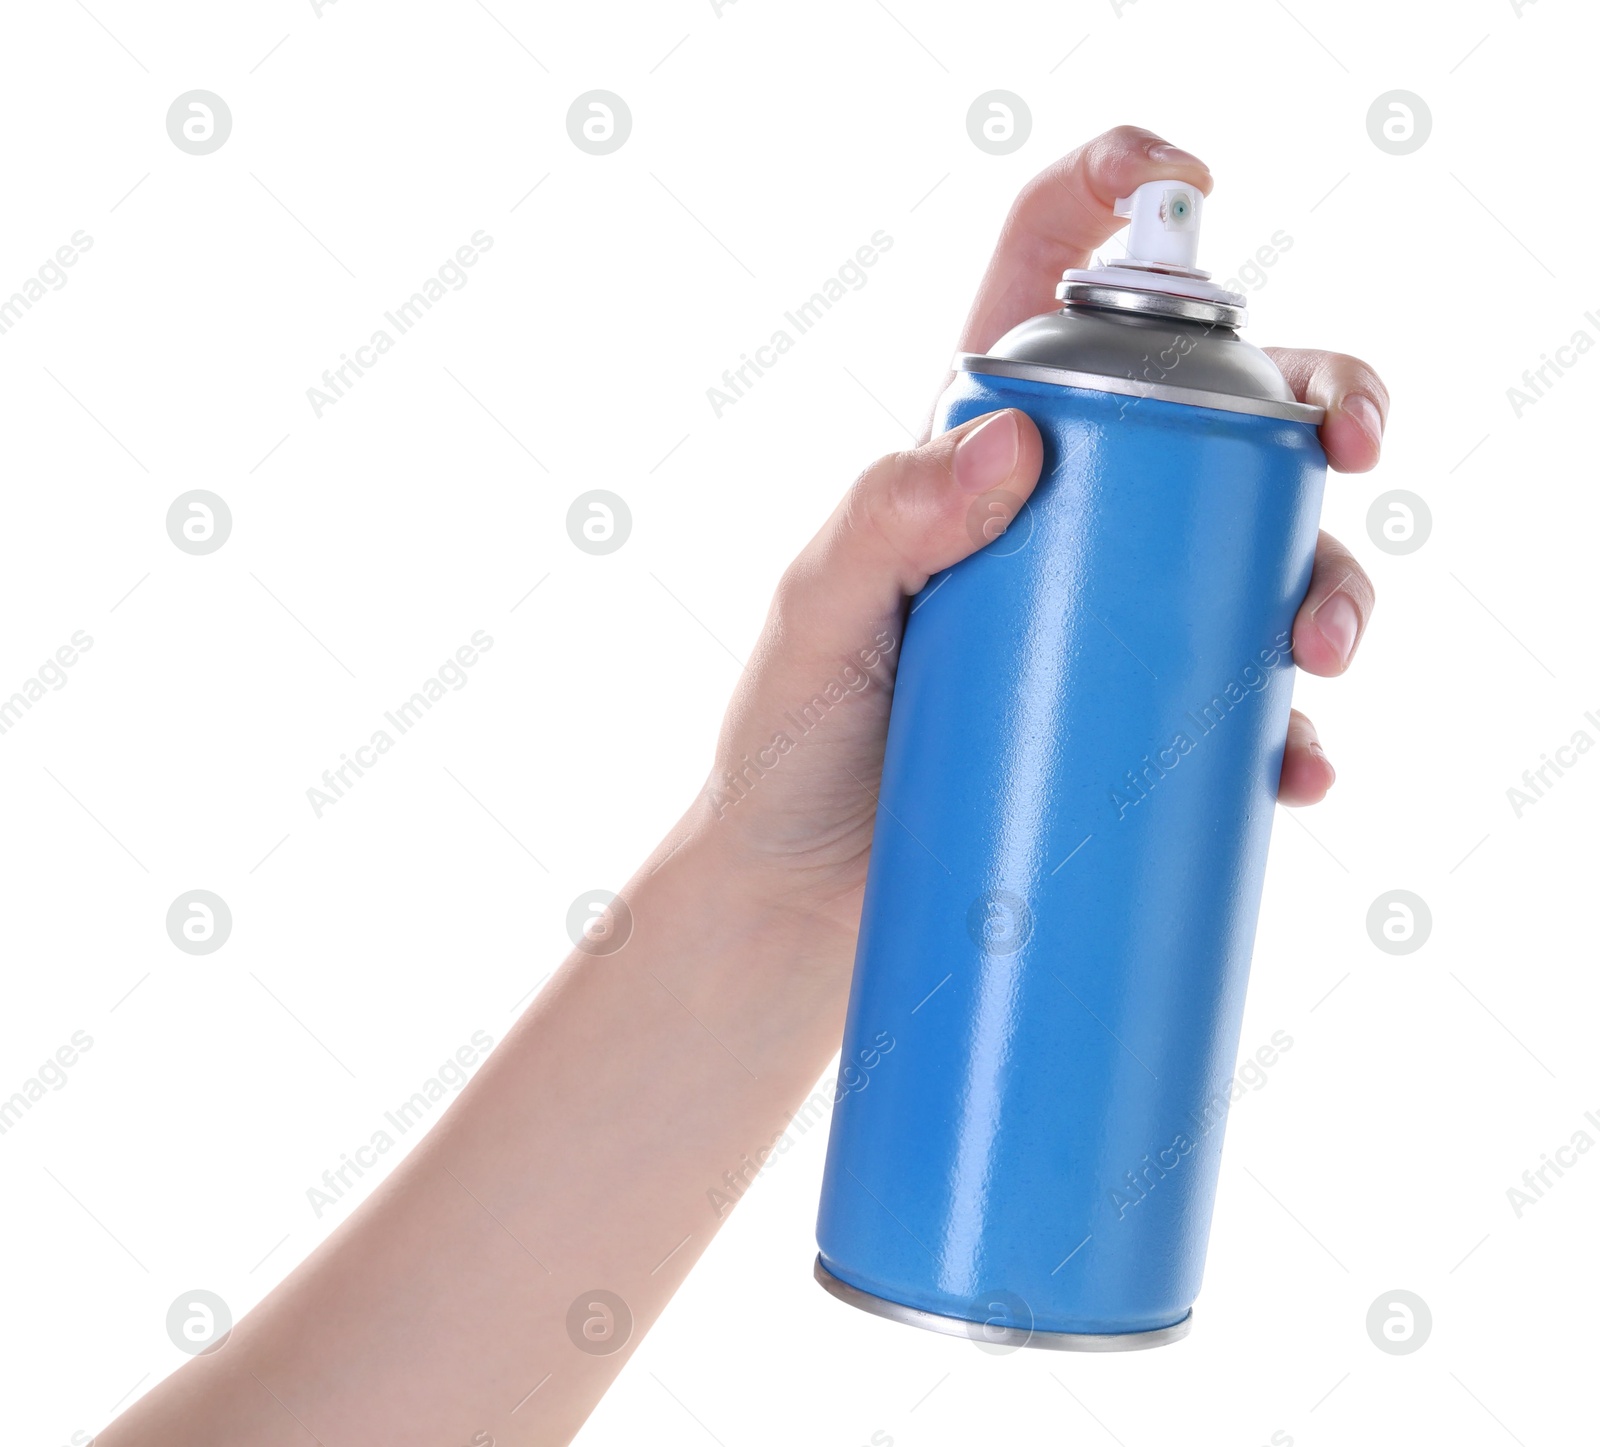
[(1078, 789)]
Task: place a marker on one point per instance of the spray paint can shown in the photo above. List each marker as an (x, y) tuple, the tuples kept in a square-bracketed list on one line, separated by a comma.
[(1079, 783)]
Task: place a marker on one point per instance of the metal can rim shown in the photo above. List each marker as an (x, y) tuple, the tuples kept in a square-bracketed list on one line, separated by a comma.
[(1133, 387), (1060, 1341)]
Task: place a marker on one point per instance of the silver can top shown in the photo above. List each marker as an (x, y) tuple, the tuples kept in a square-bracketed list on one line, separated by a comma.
[(1149, 324)]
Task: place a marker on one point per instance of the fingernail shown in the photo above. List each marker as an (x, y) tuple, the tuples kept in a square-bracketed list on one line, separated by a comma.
[(1363, 411), (1171, 155), (1314, 748), (1337, 621), (986, 456)]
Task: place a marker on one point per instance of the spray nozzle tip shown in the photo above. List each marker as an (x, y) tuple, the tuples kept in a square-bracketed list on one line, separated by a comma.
[(1163, 222)]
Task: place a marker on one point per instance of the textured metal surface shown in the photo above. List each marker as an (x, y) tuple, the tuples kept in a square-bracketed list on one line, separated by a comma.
[(1077, 795), (1155, 351), (988, 1333), (1152, 303), (1133, 387)]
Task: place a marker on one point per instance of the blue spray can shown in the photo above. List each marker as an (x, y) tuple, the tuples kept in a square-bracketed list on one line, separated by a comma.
[(1078, 789)]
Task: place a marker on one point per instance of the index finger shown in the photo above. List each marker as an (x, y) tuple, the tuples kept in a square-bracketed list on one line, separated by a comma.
[(1352, 395), (1058, 220)]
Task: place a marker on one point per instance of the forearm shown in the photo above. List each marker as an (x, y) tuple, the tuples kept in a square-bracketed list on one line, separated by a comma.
[(580, 1158)]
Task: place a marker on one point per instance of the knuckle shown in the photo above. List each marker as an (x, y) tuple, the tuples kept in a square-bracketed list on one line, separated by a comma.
[(891, 512), (795, 595), (1357, 375), (1362, 591), (1338, 571), (1128, 135), (885, 497), (870, 502)]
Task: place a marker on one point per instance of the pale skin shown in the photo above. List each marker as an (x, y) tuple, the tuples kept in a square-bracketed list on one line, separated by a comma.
[(581, 1154)]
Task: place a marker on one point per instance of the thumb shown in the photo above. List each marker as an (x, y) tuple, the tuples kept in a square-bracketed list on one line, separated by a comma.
[(839, 609), (908, 516)]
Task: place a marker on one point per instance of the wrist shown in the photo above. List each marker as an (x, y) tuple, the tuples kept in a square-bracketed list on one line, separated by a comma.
[(749, 942)]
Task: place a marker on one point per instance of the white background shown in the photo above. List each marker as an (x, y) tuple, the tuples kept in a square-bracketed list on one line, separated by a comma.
[(768, 143)]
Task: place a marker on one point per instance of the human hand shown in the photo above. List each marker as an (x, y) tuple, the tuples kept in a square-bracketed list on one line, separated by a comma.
[(831, 642), (717, 1020)]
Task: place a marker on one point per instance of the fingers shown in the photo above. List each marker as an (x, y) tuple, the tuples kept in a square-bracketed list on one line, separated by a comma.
[(1327, 631), (1334, 614), (914, 513), (1062, 215), (1337, 605), (1307, 775), (834, 628), (908, 516), (1356, 400)]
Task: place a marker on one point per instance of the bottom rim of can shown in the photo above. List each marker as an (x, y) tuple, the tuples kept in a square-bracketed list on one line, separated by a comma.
[(1060, 1341)]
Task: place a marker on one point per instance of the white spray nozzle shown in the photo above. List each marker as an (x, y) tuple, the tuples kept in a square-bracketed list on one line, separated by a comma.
[(1163, 223), (1163, 241)]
